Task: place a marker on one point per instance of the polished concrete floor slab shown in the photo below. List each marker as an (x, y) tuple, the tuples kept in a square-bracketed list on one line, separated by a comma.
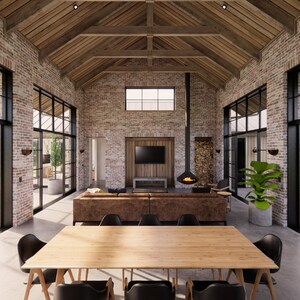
[(51, 220)]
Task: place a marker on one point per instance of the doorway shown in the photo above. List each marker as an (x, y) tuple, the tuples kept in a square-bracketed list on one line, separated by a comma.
[(97, 148)]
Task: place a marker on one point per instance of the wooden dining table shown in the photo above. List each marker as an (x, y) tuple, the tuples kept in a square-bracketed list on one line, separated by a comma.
[(151, 247)]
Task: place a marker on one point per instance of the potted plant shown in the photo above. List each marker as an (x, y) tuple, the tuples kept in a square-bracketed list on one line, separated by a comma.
[(261, 179), (55, 185)]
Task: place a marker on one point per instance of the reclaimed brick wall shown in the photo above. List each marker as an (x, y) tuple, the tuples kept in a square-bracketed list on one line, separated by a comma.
[(276, 59), (105, 116), (21, 57)]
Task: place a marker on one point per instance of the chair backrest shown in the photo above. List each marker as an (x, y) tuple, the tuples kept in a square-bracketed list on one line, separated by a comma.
[(28, 245), (111, 220), (149, 290), (149, 220), (271, 245), (221, 291), (223, 183), (188, 220), (79, 291)]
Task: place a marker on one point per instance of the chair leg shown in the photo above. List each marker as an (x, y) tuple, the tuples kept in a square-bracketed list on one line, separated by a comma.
[(168, 274), (189, 289), (111, 295), (220, 274), (213, 274), (79, 275), (131, 274), (86, 274), (229, 274), (71, 275)]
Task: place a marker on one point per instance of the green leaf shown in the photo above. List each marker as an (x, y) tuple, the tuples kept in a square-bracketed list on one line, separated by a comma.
[(262, 204)]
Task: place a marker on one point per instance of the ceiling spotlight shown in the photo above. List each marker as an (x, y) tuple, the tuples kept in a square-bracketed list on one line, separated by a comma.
[(75, 6), (224, 6)]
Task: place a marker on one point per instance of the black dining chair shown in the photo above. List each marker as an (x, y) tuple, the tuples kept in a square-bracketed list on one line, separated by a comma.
[(28, 246), (149, 220), (188, 220), (210, 290), (271, 246), (87, 290), (149, 290), (111, 220)]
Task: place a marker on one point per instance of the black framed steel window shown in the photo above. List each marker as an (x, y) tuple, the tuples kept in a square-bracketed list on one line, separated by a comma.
[(245, 125), (54, 149), (150, 98), (6, 103), (294, 148)]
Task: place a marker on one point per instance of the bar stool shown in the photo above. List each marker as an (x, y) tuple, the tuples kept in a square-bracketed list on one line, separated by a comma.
[(227, 196)]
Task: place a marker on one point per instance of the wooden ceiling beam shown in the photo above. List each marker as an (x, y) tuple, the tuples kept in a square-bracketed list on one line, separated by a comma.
[(144, 53), (145, 68), (25, 12), (234, 38), (93, 19), (276, 13), (150, 18), (98, 30), (221, 1)]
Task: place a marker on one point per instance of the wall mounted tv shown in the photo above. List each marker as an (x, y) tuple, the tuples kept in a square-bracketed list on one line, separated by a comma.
[(149, 154)]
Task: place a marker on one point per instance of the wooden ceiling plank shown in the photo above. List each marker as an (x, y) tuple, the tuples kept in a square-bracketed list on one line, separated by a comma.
[(97, 16), (237, 40), (213, 56), (23, 13), (276, 13)]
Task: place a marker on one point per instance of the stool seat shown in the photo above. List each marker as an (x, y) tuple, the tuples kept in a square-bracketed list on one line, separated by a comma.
[(224, 194), (228, 196)]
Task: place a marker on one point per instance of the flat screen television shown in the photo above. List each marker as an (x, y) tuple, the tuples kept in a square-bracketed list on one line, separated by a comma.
[(149, 154)]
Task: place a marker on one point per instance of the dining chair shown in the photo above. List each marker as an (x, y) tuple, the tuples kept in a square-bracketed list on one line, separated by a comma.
[(222, 185), (111, 220), (149, 290), (208, 290), (149, 220), (188, 220), (88, 290), (28, 246), (271, 246)]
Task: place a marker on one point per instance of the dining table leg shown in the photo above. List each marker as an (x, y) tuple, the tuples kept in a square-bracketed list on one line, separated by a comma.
[(240, 277), (43, 283), (29, 284), (270, 284)]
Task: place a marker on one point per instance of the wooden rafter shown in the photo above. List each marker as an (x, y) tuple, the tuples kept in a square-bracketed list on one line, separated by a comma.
[(276, 13), (159, 69), (150, 16), (25, 12), (94, 18)]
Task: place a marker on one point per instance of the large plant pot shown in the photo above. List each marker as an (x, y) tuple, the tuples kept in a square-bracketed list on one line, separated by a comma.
[(259, 216), (55, 186)]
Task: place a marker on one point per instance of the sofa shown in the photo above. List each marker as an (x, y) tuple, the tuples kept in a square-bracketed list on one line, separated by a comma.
[(91, 207)]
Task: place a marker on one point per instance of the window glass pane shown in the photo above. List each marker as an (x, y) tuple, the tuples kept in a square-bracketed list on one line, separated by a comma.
[(133, 105), (253, 121), (2, 103), (36, 108), (46, 107), (150, 94), (263, 118), (167, 94), (166, 105), (150, 105), (134, 94)]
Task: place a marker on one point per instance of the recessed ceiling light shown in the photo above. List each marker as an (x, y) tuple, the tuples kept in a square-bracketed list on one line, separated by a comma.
[(75, 6), (224, 6)]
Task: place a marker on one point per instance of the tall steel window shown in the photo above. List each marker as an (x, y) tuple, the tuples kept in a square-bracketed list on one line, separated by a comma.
[(150, 99), (5, 148), (294, 148), (245, 138), (54, 145)]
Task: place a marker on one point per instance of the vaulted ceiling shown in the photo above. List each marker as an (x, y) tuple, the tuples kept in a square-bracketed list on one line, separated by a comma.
[(166, 36)]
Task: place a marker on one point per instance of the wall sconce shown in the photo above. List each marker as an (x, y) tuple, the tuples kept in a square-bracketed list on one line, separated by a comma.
[(26, 151), (81, 150), (218, 150), (270, 151)]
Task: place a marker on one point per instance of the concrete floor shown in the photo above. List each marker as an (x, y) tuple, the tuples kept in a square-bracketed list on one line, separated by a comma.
[(48, 222)]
